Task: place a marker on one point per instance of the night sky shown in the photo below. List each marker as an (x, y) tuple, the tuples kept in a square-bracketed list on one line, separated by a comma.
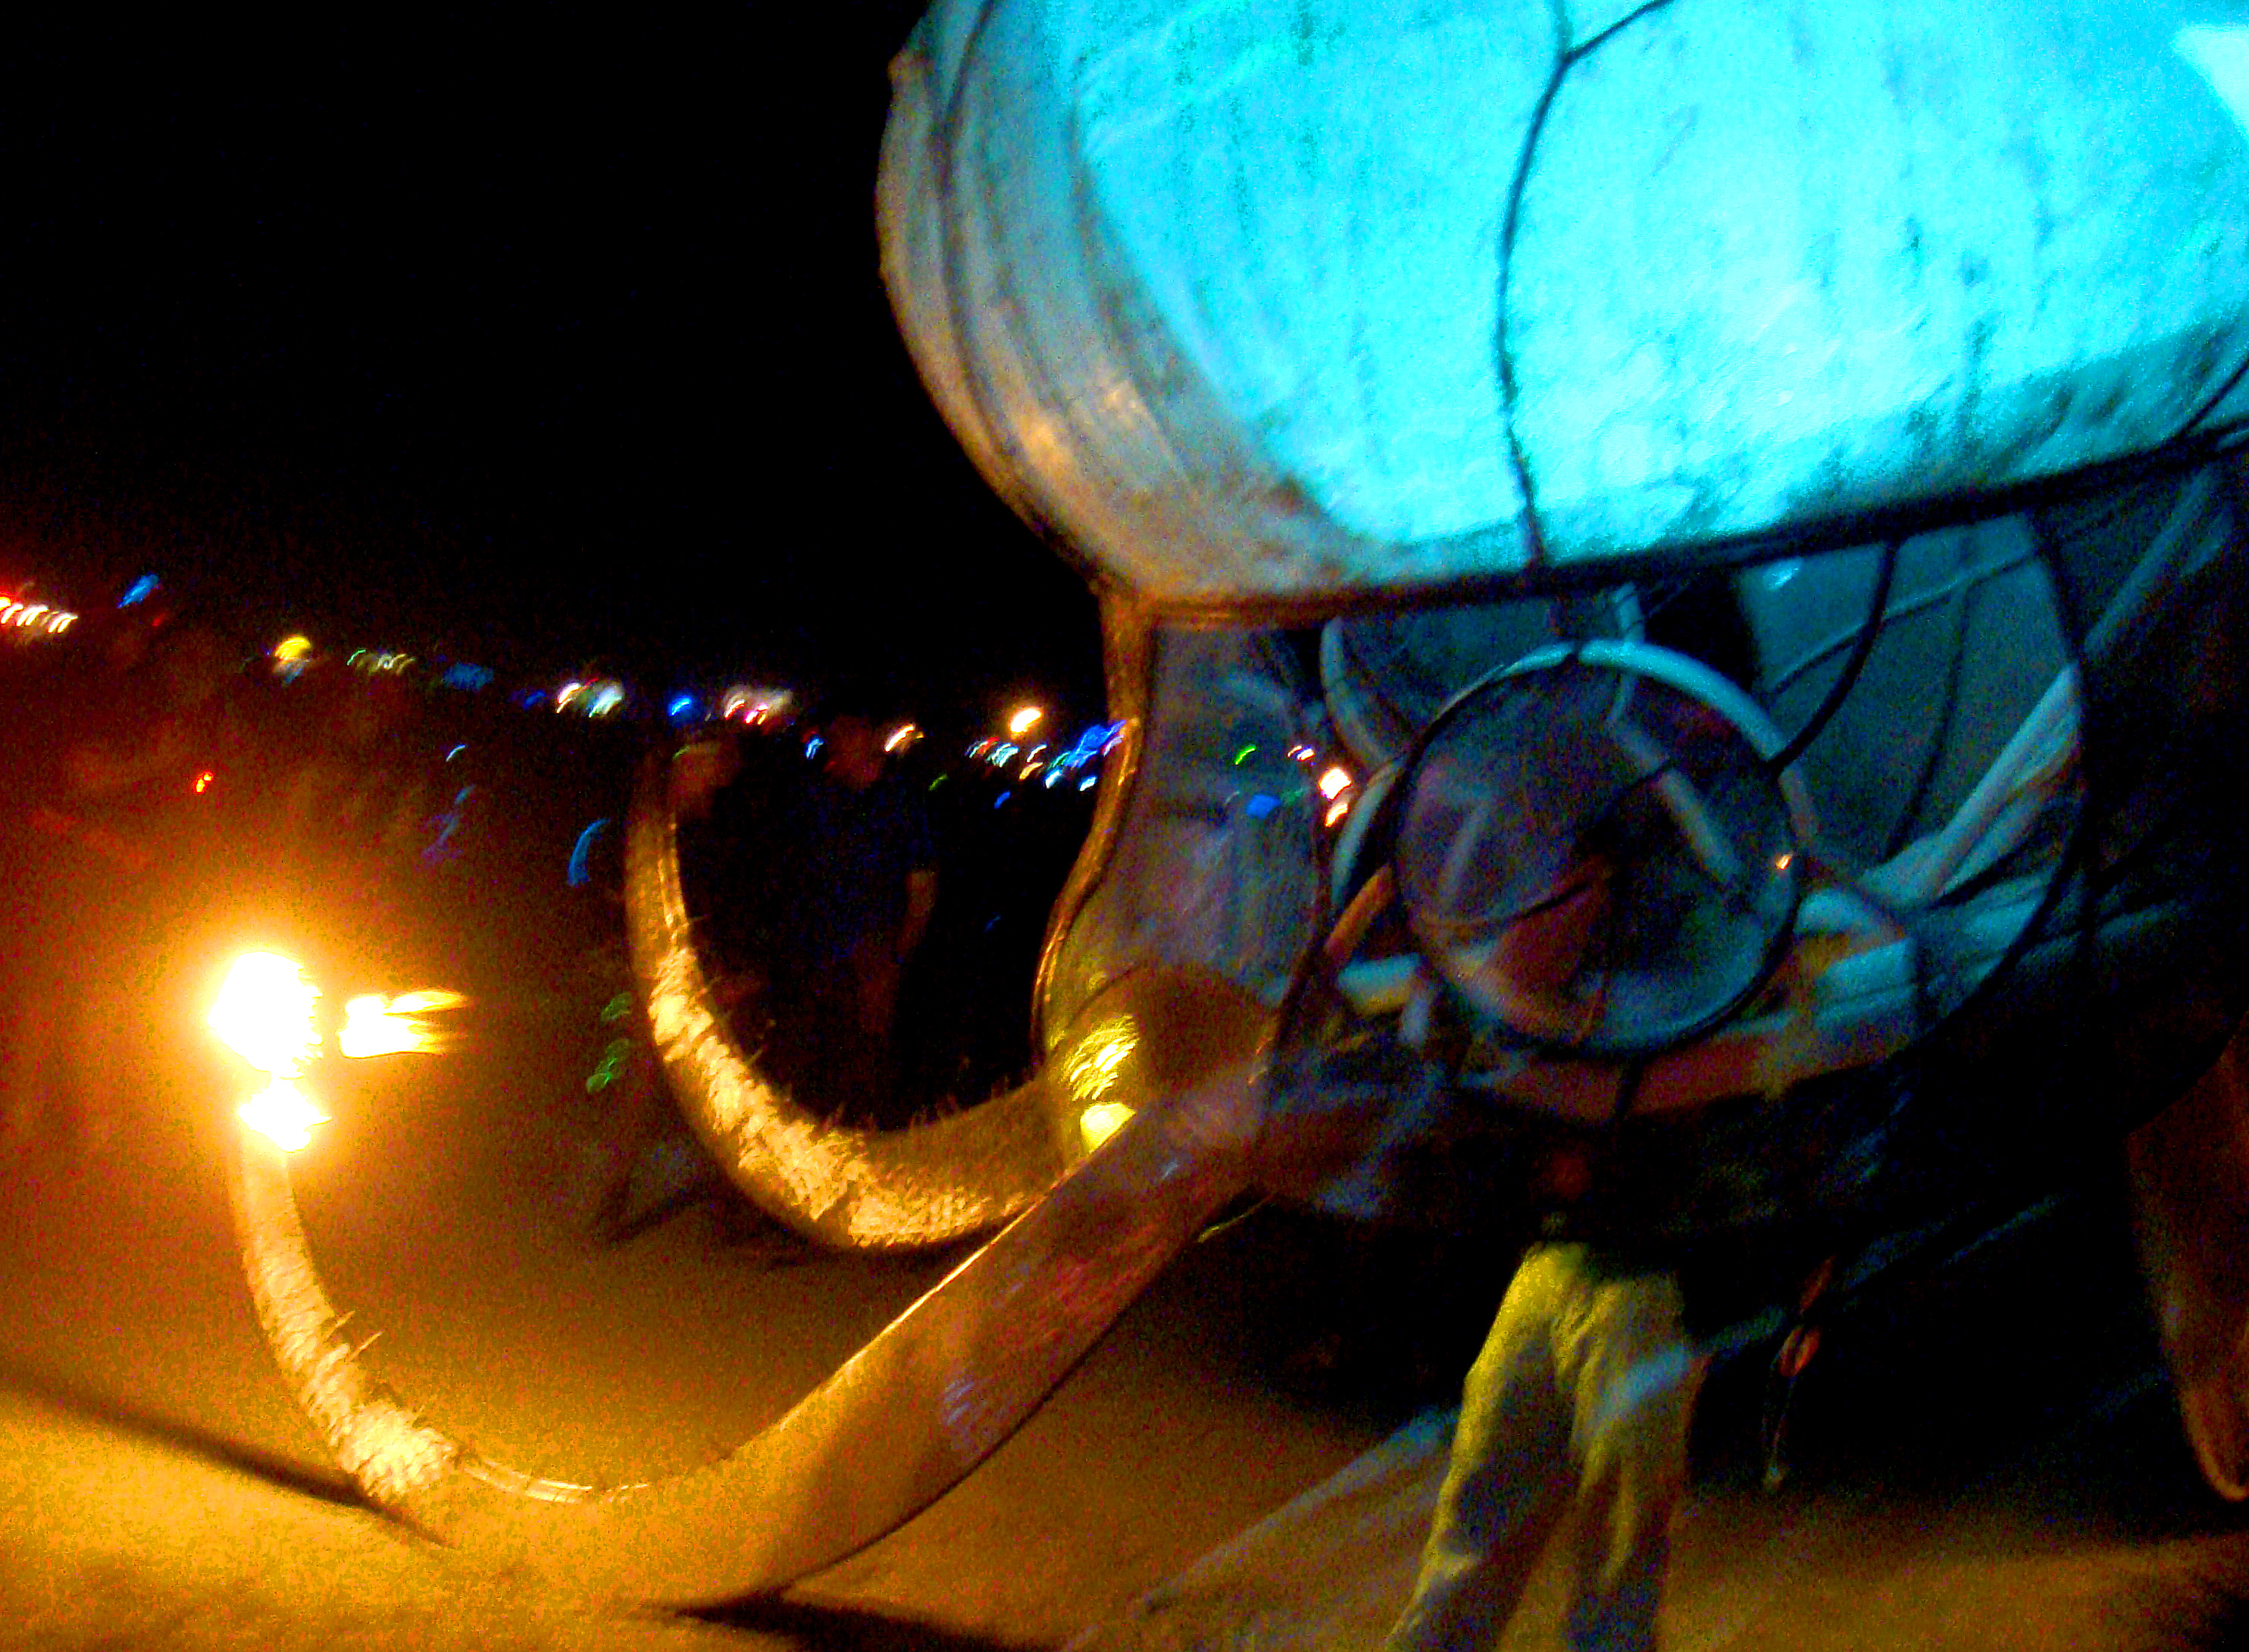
[(547, 344)]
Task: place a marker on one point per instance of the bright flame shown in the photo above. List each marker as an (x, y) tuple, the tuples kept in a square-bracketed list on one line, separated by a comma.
[(280, 1112), (264, 1013), (204, 780), (376, 1026), (1338, 809), (1025, 718), (1102, 1120), (1335, 782), (904, 734)]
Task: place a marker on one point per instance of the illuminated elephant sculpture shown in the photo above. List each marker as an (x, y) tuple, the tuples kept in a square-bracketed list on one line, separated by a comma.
[(1753, 490)]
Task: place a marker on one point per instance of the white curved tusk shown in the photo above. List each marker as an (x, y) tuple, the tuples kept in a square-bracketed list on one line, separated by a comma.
[(852, 1189), (902, 1421)]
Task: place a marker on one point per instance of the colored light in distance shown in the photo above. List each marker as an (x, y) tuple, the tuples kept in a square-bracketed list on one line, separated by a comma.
[(1024, 718)]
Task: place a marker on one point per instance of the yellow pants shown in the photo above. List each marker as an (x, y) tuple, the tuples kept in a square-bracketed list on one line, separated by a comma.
[(1578, 1406)]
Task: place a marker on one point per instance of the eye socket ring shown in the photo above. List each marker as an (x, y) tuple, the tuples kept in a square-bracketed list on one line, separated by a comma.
[(1596, 850)]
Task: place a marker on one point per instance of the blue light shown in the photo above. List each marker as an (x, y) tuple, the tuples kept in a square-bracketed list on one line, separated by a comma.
[(456, 752), (581, 873), (1001, 798), (461, 674), (1262, 805), (683, 708), (146, 585), (812, 747)]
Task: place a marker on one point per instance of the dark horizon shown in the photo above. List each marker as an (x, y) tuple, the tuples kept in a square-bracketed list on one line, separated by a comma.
[(553, 351)]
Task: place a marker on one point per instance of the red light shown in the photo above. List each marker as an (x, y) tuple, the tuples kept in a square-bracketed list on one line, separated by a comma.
[(204, 780)]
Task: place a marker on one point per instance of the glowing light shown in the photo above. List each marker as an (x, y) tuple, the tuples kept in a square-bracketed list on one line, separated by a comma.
[(754, 704), (1102, 1120), (1301, 753), (1338, 809), (281, 1112), (581, 871), (569, 692), (1244, 755), (376, 1025), (812, 747), (146, 585), (1024, 719), (1262, 804), (682, 707), (1088, 782), (457, 751), (1335, 782), (204, 780), (264, 1013), (1003, 754), (901, 737), (292, 648), (606, 700), (1001, 798), (1093, 1068)]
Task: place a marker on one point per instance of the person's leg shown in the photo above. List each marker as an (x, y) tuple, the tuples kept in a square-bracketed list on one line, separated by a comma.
[(1509, 1479), (1632, 1380)]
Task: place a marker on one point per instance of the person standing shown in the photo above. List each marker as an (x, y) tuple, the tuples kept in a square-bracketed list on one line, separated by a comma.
[(1577, 1409), (867, 887), (1578, 1406)]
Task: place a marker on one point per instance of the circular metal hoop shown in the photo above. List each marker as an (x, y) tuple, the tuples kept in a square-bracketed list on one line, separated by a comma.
[(1638, 841)]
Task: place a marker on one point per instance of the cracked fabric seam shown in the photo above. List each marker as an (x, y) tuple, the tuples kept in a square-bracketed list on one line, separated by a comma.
[(1566, 58)]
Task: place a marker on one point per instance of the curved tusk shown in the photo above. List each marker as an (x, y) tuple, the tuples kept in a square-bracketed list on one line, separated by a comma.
[(852, 1189), (1179, 1056)]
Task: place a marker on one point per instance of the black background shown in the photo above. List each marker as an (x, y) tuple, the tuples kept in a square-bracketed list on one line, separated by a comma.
[(548, 343)]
